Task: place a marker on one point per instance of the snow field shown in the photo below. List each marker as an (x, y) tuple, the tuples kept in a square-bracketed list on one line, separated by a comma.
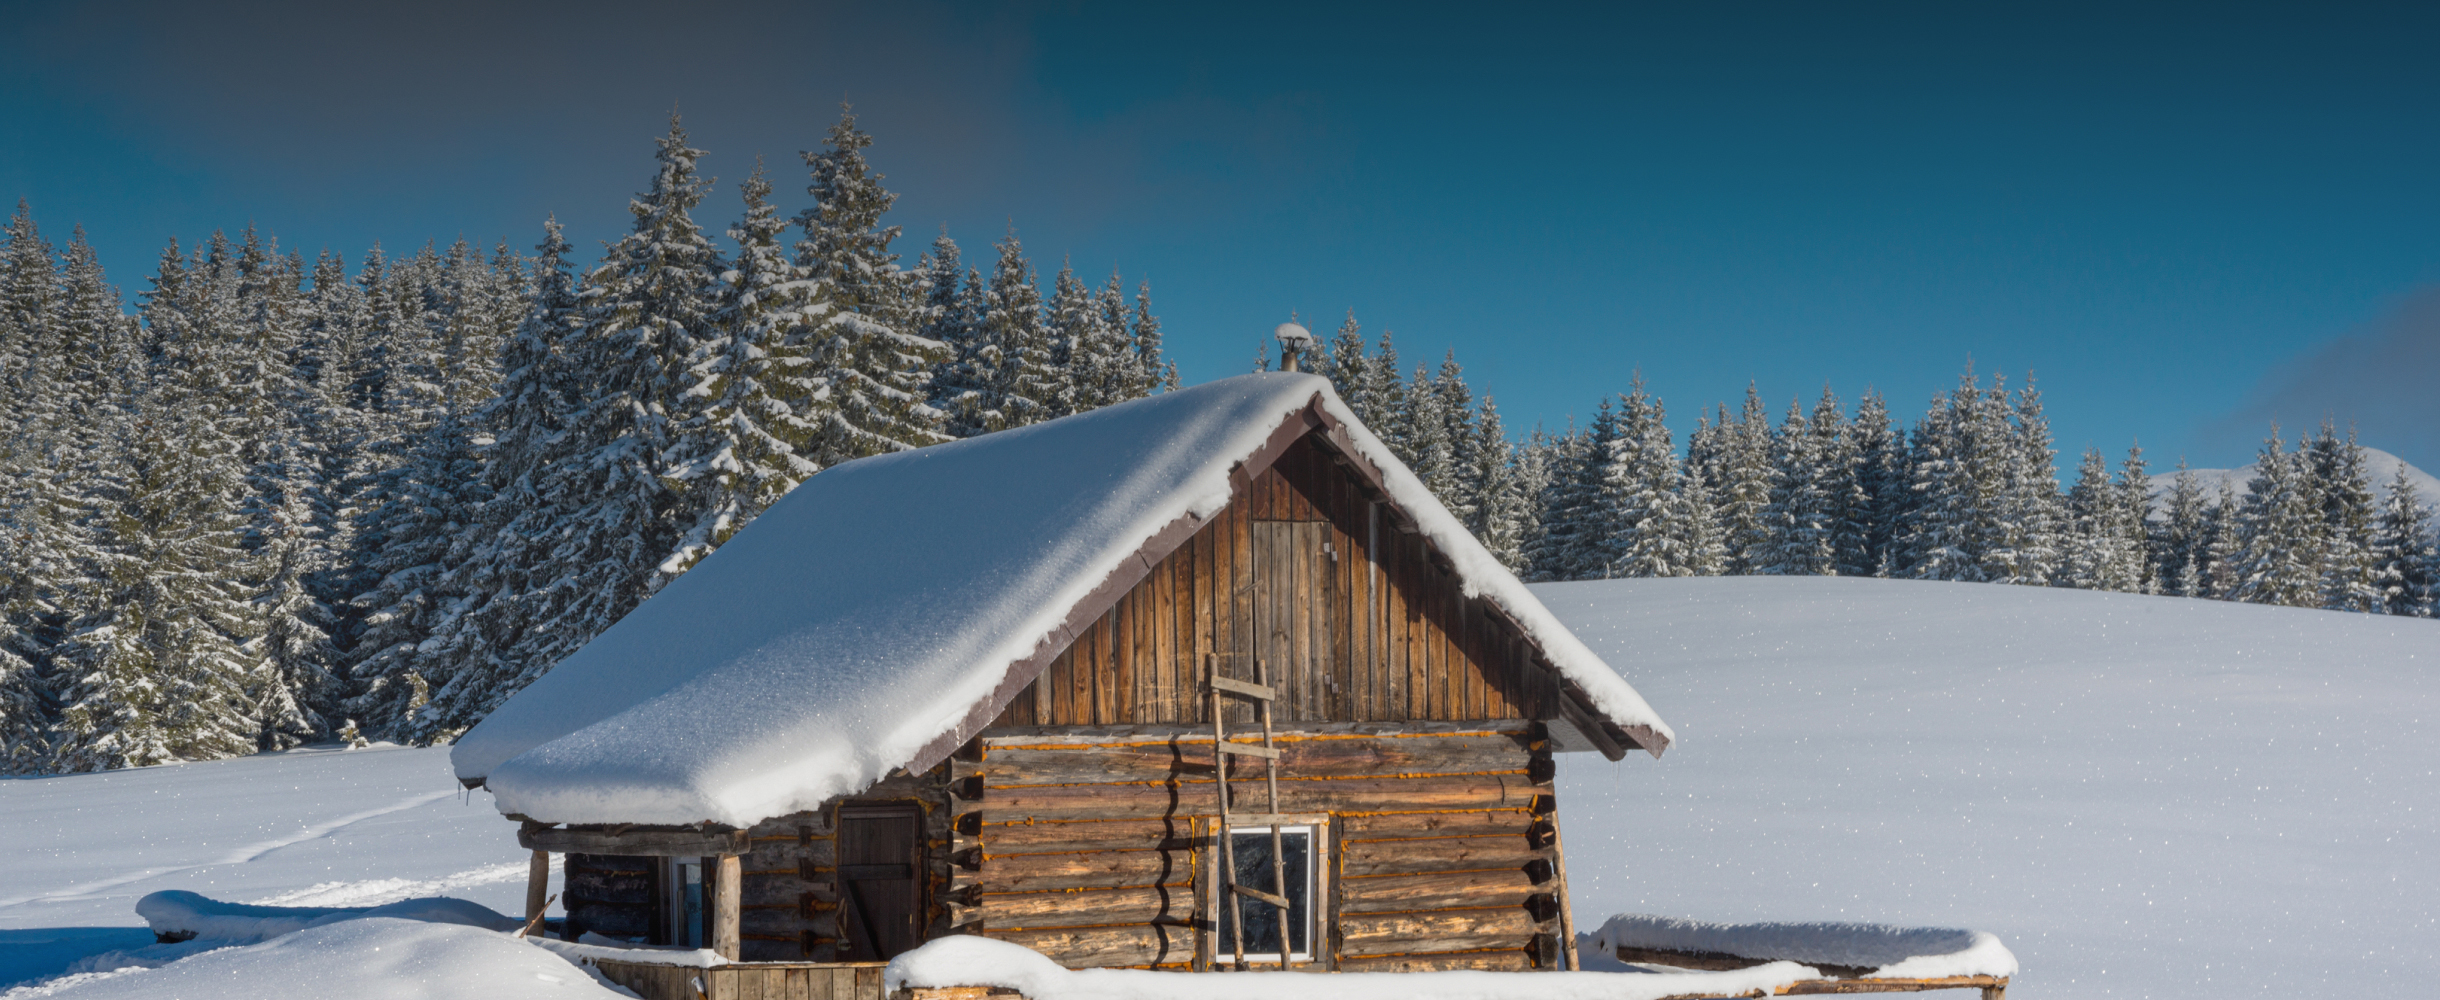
[(316, 827), (2140, 796)]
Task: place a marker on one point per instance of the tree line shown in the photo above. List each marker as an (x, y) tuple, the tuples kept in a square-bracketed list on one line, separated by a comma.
[(1970, 492), (282, 501)]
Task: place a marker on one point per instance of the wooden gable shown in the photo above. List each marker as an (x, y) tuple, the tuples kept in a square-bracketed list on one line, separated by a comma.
[(1310, 570)]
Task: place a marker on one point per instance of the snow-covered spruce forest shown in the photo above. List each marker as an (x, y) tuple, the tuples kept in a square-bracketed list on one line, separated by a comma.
[(285, 502)]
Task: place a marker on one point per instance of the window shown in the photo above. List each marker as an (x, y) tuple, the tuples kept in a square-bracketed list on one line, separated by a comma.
[(685, 902), (1302, 850)]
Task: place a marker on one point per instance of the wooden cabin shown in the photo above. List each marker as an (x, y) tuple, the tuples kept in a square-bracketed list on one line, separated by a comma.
[(1071, 801)]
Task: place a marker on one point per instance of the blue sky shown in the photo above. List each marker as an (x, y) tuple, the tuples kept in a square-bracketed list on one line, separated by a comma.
[(2185, 221)]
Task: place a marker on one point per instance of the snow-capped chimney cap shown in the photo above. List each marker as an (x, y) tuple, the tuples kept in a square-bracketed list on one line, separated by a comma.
[(1293, 339)]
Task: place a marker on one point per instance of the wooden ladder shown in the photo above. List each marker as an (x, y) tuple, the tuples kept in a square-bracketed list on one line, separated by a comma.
[(1260, 691)]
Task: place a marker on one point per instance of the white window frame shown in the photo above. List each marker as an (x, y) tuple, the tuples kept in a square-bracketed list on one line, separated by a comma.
[(1317, 888)]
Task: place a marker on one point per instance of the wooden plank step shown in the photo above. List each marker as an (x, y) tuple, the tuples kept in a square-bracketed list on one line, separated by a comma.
[(1246, 688)]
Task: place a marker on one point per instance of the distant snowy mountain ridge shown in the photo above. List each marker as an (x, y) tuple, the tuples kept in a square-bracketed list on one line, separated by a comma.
[(2380, 468)]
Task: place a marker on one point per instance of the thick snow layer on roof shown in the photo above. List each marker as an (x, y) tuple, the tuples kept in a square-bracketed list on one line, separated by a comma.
[(878, 610), (967, 960), (1897, 952)]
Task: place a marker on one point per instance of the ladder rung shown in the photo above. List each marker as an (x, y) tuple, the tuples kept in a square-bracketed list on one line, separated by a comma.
[(1246, 688), (1249, 750), (1247, 890)]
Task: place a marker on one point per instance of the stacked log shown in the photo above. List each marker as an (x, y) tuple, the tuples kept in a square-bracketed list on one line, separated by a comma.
[(1092, 846)]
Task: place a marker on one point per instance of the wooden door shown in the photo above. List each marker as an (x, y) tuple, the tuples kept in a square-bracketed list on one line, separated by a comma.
[(1292, 613), (880, 881)]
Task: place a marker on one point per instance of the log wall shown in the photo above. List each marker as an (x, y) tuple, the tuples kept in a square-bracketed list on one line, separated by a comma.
[(610, 895), (1091, 846), (789, 890), (1372, 620)]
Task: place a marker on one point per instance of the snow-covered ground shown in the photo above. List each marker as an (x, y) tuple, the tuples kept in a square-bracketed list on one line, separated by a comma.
[(2142, 797), (303, 828)]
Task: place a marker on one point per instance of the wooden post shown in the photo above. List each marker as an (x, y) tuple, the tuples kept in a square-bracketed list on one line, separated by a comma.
[(1279, 862), (1567, 916), (537, 886), (725, 906)]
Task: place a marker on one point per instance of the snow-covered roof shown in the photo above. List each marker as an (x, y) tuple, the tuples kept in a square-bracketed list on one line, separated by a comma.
[(888, 609)]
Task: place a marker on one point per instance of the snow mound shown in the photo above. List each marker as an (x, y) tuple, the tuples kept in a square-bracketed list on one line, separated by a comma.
[(374, 958), (177, 914), (1895, 952), (881, 612), (978, 961)]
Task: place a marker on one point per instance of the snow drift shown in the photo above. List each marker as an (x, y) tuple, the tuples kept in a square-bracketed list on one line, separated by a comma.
[(176, 914), (373, 958), (980, 961), (1890, 951)]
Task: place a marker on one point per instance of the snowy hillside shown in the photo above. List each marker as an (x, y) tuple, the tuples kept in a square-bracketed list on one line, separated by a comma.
[(303, 828), (2380, 469), (2143, 796)]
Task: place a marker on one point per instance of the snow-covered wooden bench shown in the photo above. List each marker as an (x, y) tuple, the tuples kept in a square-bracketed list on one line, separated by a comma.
[(1853, 958)]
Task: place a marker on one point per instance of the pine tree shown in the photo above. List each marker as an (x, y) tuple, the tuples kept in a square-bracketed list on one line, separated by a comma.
[(296, 684), (1937, 540), (1501, 514), (1642, 506), (1144, 328), (2131, 496), (2225, 532), (1023, 386), (647, 306), (479, 647), (2406, 553), (1881, 478), (738, 445), (1576, 536), (156, 670), (1349, 369), (2031, 520), (1744, 485), (1815, 503), (2104, 552), (2279, 550), (1385, 386), (1536, 462), (953, 315), (1426, 445), (877, 370), (29, 326), (1699, 545), (1102, 366), (2181, 550), (2336, 469)]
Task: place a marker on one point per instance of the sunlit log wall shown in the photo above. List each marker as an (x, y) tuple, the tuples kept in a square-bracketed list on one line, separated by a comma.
[(1089, 845)]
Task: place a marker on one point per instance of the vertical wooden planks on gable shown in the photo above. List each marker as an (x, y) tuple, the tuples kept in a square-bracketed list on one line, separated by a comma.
[(1237, 660), (1191, 707), (1163, 679)]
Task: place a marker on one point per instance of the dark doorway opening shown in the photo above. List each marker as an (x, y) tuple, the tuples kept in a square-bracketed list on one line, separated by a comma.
[(880, 880)]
